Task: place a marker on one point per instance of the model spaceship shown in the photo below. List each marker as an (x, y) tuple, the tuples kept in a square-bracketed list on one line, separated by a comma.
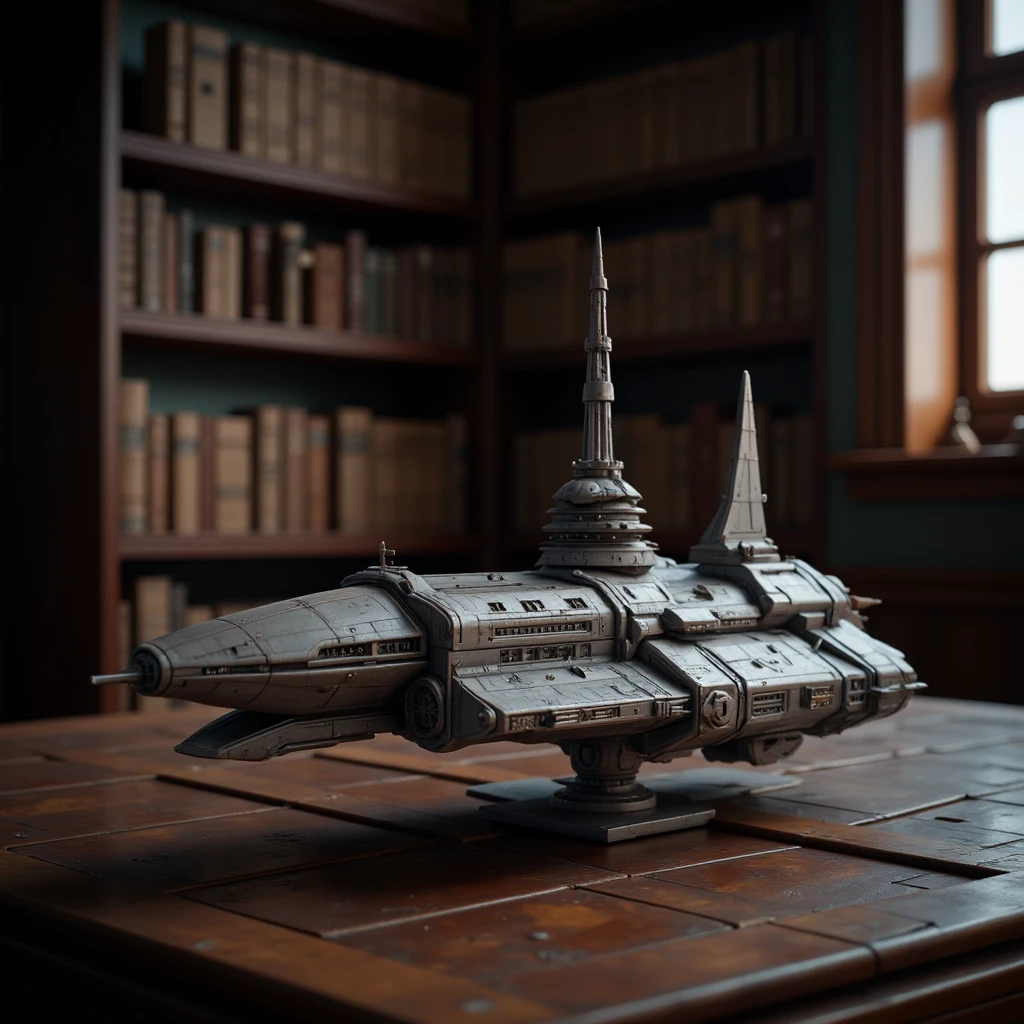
[(606, 648)]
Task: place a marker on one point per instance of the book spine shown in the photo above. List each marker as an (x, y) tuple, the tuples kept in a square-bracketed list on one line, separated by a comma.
[(158, 471), (232, 273), (355, 279), (386, 128), (208, 473), (704, 452), (207, 99), (296, 484), (326, 287), (410, 139), (407, 291), (247, 127), (269, 468), (186, 262), (372, 291), (359, 123), (330, 125), (318, 475), (165, 85), (723, 242), (170, 264), (457, 461), (277, 105), (134, 417), (425, 291), (256, 272), (389, 293), (290, 236), (185, 473), (179, 602), (354, 475), (151, 250), (232, 474), (304, 109), (211, 258), (128, 249)]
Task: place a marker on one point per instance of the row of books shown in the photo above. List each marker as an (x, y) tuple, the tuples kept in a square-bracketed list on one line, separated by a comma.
[(261, 272), (160, 605), (279, 469), (680, 468), (295, 108), (735, 101), (752, 265)]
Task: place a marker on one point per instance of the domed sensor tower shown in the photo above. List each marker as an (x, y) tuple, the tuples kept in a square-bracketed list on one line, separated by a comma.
[(606, 648)]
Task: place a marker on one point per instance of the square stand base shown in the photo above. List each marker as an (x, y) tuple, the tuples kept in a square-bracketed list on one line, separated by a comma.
[(524, 802)]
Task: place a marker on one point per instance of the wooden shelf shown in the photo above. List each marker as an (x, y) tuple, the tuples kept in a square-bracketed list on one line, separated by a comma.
[(205, 546), (945, 474), (720, 176), (670, 345), (225, 174), (675, 544), (257, 337)]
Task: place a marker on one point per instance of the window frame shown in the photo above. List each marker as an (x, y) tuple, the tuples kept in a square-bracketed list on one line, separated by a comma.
[(983, 79)]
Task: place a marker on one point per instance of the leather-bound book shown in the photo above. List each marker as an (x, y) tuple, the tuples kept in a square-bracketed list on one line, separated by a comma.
[(801, 259), (186, 262), (165, 75), (248, 112), (151, 250), (353, 469), (749, 213), (170, 264), (186, 431), (331, 122), (325, 287), (128, 249), (268, 485), (207, 94), (256, 271), (385, 130), (303, 109), (407, 292), (355, 279), (704, 453), (775, 264), (211, 270), (232, 273), (134, 416), (318, 474), (158, 473), (232, 474), (278, 105), (296, 439), (410, 134), (359, 124), (288, 272)]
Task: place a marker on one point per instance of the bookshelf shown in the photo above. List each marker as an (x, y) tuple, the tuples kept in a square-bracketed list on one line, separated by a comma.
[(71, 555)]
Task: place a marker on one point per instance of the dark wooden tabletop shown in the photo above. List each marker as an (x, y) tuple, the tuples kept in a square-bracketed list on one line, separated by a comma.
[(360, 883)]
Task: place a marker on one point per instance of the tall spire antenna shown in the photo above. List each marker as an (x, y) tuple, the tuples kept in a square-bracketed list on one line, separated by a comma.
[(596, 519), (738, 532)]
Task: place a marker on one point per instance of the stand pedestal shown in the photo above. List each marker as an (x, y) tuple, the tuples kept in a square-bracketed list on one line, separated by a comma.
[(604, 802)]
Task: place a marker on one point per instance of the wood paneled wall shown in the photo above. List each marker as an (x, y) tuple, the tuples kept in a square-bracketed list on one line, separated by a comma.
[(963, 631)]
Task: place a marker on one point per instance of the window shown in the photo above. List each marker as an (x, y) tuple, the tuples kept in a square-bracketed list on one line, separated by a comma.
[(495, 606), (532, 606), (576, 602), (941, 144)]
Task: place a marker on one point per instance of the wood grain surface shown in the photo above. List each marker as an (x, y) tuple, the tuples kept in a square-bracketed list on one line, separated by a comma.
[(361, 882)]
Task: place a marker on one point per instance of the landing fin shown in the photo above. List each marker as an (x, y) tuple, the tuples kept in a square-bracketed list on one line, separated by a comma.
[(738, 533)]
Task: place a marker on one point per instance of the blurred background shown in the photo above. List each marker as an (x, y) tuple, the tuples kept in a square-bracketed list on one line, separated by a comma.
[(283, 280)]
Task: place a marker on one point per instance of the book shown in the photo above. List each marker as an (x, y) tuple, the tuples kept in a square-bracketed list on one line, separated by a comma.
[(158, 458), (247, 115), (359, 123), (384, 117), (185, 477), (353, 262), (288, 272), (186, 262), (371, 290), (318, 474), (151, 250), (303, 109), (776, 268), (232, 474), (128, 245), (268, 484), (206, 95), (170, 264), (325, 287), (256, 271), (232, 308), (165, 80), (723, 254), (749, 223), (332, 129), (277, 105), (296, 428), (353, 468), (211, 271), (801, 259), (134, 414)]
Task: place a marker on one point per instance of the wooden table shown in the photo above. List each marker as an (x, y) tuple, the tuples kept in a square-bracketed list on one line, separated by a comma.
[(360, 883)]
